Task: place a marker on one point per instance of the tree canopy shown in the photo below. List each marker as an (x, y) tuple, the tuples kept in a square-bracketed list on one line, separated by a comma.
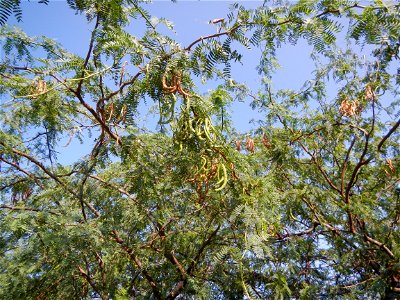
[(304, 206)]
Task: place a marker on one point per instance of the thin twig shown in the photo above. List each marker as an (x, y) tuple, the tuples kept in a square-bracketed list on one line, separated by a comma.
[(27, 209), (54, 177), (138, 263), (78, 89), (379, 244), (391, 131)]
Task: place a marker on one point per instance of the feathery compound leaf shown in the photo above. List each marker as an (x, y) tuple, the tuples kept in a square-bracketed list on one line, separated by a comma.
[(12, 7), (6, 9)]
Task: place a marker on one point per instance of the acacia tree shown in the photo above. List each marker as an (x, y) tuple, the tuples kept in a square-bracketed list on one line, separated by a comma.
[(304, 206)]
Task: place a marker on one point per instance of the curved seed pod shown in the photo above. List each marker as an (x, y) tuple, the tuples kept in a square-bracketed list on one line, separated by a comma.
[(110, 111), (190, 125), (221, 177), (204, 164), (224, 179), (199, 134)]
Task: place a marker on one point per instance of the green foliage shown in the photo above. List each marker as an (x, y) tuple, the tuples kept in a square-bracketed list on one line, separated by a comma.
[(304, 206), (9, 7)]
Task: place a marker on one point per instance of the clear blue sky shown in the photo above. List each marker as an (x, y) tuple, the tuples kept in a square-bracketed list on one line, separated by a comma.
[(191, 19)]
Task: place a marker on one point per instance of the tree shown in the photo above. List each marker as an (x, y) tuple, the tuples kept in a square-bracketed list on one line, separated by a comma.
[(305, 206)]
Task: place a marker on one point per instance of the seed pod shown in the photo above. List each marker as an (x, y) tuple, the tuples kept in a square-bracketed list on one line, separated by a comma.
[(390, 165), (250, 144), (238, 145), (349, 108), (41, 87), (233, 173), (266, 142), (369, 94), (109, 111)]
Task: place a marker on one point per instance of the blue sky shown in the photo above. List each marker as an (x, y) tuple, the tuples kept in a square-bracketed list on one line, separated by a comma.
[(191, 20)]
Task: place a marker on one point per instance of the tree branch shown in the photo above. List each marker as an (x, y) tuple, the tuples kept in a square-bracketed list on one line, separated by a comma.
[(121, 87), (379, 244), (78, 89), (16, 166), (138, 263), (200, 252), (184, 274), (119, 189), (391, 131), (361, 162), (344, 166), (92, 284), (305, 232), (200, 39), (28, 209), (124, 192), (43, 293), (228, 32), (323, 172), (89, 108), (54, 177), (179, 286)]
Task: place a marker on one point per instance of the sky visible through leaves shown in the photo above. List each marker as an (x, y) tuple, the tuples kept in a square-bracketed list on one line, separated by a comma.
[(191, 20)]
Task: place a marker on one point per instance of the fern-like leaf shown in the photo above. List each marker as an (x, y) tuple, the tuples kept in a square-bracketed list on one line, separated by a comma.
[(6, 9)]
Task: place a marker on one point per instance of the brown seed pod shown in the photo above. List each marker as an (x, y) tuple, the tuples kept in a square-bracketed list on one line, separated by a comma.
[(267, 144), (122, 114), (238, 144), (250, 146), (390, 165), (349, 108), (175, 86), (109, 111), (369, 94), (233, 173), (122, 72)]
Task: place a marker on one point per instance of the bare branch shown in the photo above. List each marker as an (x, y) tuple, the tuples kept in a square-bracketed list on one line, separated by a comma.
[(121, 87), (16, 166), (98, 118), (350, 286), (344, 166), (28, 209), (379, 244), (54, 177), (138, 263), (181, 283), (391, 131), (228, 32), (78, 89), (305, 232), (201, 250), (87, 277), (322, 171)]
